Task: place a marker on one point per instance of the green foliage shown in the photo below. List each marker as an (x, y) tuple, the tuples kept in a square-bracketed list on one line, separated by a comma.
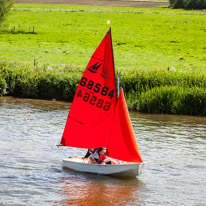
[(188, 4), (132, 99), (5, 7), (174, 100), (195, 4), (165, 92), (59, 86), (144, 80), (176, 3), (3, 85), (45, 83), (146, 91)]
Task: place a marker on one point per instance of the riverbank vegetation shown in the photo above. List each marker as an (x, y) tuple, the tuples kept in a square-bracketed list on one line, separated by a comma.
[(151, 91), (21, 80), (160, 54)]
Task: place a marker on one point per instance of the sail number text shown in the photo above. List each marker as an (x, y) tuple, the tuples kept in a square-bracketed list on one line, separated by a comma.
[(97, 88), (93, 100)]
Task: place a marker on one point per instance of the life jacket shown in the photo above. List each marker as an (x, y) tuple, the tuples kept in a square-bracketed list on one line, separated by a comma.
[(101, 158)]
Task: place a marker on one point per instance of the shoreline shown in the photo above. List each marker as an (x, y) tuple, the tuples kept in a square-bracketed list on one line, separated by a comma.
[(155, 92)]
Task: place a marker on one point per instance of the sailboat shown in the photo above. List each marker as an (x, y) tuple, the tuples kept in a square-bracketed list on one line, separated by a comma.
[(99, 117)]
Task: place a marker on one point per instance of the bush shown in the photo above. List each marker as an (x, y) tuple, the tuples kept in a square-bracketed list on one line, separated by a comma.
[(132, 100), (60, 86), (25, 81), (177, 4), (174, 100), (5, 6), (195, 4), (146, 91), (141, 81), (3, 85), (188, 4)]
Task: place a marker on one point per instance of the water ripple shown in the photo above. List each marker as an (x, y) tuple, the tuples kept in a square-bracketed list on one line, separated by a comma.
[(31, 167)]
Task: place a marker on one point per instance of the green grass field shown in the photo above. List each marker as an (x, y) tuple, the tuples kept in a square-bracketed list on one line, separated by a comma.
[(155, 38)]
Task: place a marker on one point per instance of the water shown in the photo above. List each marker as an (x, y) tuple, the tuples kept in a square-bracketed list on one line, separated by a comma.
[(31, 168)]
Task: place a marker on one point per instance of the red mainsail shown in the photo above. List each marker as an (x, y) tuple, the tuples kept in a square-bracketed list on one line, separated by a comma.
[(122, 142), (90, 118), (96, 119)]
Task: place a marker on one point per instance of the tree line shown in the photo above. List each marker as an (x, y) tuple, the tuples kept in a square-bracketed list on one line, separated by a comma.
[(5, 7), (188, 4)]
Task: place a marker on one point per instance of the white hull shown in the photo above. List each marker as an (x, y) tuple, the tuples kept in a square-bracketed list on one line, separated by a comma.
[(123, 169)]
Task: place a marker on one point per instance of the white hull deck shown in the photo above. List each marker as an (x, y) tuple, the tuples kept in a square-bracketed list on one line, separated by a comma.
[(121, 169)]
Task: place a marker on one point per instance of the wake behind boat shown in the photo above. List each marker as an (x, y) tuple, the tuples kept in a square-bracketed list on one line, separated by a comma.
[(97, 119)]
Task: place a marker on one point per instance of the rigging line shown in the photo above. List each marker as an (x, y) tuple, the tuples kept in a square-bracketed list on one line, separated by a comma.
[(63, 153)]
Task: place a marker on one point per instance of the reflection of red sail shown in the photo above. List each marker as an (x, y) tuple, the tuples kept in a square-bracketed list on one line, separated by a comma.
[(122, 143), (90, 117), (91, 190)]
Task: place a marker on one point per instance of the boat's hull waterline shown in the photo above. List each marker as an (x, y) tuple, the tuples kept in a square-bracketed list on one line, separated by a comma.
[(122, 169)]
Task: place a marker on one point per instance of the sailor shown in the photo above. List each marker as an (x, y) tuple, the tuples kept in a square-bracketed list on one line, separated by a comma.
[(90, 152), (99, 157)]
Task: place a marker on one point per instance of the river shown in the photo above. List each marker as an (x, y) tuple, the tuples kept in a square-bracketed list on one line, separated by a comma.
[(31, 173)]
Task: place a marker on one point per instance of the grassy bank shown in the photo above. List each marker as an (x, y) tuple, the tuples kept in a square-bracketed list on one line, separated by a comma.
[(160, 54), (147, 91), (155, 38), (21, 80)]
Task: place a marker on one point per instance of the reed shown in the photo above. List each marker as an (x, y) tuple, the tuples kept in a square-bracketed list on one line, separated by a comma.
[(33, 82), (147, 91), (143, 80), (3, 85), (159, 91), (174, 100)]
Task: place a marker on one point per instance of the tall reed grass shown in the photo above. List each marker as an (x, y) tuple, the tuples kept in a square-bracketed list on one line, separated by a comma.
[(32, 82), (147, 91), (3, 85), (174, 100), (165, 91)]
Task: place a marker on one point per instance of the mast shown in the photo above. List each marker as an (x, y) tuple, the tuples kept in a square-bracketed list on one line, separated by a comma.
[(116, 85)]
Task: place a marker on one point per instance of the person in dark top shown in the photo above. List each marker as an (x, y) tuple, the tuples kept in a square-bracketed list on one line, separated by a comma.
[(90, 152), (99, 157)]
